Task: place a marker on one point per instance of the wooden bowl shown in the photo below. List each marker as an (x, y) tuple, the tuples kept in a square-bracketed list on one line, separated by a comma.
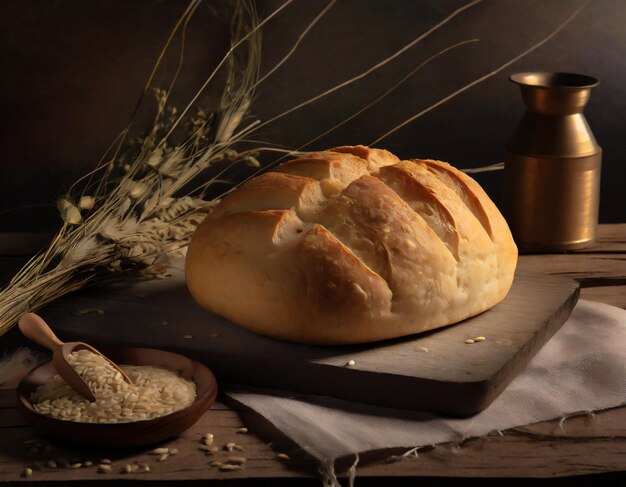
[(124, 435)]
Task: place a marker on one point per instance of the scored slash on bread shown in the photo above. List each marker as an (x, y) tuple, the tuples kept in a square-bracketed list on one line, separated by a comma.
[(352, 245)]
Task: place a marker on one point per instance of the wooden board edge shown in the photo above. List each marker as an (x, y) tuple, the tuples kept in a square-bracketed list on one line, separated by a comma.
[(498, 382)]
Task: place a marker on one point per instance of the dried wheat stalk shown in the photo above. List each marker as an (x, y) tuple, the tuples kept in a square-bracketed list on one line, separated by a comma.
[(138, 214), (132, 217)]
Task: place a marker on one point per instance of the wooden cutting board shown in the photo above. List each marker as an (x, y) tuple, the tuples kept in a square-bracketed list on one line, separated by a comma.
[(436, 371)]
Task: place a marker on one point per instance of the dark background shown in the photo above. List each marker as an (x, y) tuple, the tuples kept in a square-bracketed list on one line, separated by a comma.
[(73, 70)]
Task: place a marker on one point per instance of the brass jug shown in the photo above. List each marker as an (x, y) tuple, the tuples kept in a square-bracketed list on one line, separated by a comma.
[(552, 165)]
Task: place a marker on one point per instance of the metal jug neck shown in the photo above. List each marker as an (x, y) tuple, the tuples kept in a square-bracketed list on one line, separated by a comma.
[(554, 94)]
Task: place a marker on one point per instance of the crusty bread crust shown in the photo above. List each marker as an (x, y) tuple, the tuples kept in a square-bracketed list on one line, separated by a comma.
[(352, 245)]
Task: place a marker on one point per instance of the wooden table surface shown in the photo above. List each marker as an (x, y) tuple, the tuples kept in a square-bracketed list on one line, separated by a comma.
[(566, 453)]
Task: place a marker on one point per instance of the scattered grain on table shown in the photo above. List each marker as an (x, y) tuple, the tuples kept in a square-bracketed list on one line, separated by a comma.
[(236, 460)]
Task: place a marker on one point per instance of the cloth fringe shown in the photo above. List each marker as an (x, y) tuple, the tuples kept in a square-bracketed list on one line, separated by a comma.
[(329, 477), (327, 474), (353, 471)]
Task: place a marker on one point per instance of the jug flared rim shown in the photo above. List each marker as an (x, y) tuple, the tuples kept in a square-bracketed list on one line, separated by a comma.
[(554, 80)]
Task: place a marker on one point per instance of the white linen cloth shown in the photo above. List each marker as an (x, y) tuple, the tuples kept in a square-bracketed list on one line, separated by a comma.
[(581, 369)]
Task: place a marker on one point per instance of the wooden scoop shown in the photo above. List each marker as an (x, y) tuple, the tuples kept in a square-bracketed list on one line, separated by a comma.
[(37, 330)]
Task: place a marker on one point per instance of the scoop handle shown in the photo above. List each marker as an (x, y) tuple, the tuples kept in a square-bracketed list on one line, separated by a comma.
[(36, 329)]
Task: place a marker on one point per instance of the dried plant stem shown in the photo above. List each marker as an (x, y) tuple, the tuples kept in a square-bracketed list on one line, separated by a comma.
[(371, 69), (534, 47), (182, 21), (27, 294), (224, 60), (390, 90), (492, 167), (370, 104), (138, 215), (295, 46), (133, 218)]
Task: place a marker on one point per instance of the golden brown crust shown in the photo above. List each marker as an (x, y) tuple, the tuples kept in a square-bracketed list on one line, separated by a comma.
[(489, 216), (352, 245), (273, 190), (326, 165), (375, 158)]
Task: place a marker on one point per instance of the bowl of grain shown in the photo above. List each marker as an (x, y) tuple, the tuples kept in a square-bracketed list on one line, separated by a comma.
[(168, 394)]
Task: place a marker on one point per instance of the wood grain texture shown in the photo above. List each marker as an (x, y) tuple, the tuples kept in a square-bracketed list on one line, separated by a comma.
[(429, 371), (189, 464), (589, 269), (544, 451), (583, 445), (613, 295), (611, 238)]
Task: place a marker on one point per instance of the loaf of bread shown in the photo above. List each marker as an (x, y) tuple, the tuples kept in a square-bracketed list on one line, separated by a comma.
[(352, 245)]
